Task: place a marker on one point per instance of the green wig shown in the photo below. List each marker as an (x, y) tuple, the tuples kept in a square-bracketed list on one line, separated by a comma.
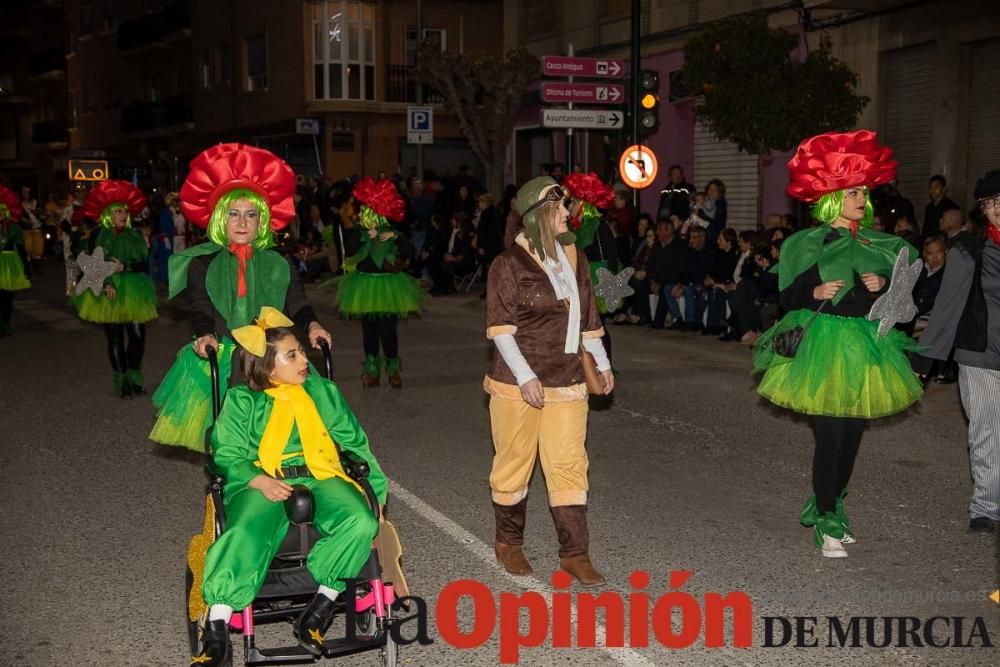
[(220, 216), (106, 216), (831, 205)]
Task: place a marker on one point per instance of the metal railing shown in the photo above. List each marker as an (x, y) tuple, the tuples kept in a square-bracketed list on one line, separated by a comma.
[(164, 114), (400, 86)]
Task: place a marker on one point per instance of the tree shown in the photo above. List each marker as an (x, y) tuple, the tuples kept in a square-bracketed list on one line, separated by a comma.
[(758, 95), (485, 95)]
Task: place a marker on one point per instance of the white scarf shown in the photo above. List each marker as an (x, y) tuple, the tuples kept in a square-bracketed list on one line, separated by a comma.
[(564, 284)]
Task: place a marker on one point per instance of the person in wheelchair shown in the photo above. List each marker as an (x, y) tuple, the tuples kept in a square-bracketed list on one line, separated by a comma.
[(284, 427)]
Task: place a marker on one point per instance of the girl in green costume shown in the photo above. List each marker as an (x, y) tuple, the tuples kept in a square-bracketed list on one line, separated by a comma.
[(128, 299), (374, 288), (285, 427), (242, 195), (843, 373), (13, 259)]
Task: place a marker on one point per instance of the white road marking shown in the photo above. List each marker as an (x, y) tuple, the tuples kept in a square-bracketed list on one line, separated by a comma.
[(482, 551)]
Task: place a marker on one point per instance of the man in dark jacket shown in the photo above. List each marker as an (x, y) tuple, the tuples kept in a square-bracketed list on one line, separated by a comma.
[(938, 204), (676, 195), (696, 263)]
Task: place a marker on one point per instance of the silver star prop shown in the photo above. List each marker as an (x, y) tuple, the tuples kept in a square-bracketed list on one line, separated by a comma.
[(95, 271), (896, 305), (613, 288)]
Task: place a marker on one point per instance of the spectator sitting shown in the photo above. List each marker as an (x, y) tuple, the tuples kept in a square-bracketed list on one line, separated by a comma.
[(640, 262), (435, 244), (713, 210), (663, 270), (459, 257), (905, 227), (720, 280), (877, 224), (765, 309), (929, 283), (952, 225), (644, 228), (745, 269), (697, 261)]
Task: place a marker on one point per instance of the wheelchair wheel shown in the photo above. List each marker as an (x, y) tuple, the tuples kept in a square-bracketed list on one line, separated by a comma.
[(390, 652)]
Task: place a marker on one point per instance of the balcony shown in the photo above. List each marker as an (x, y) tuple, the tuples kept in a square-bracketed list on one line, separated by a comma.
[(400, 86), (154, 31), (49, 64), (50, 133), (174, 114)]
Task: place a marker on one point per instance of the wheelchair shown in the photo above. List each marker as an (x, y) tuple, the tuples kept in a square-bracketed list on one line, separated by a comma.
[(289, 586)]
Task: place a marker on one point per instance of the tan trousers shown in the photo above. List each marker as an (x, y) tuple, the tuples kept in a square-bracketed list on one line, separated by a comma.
[(557, 433)]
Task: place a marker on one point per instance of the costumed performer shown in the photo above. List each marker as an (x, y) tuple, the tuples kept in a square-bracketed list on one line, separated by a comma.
[(128, 299), (242, 195), (375, 288), (284, 427), (966, 318), (594, 234), (843, 373), (13, 257), (541, 315)]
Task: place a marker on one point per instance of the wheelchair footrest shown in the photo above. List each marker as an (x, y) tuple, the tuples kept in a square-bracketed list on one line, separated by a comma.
[(286, 654)]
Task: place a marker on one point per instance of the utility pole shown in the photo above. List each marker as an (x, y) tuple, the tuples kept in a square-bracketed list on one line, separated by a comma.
[(420, 86), (569, 130), (635, 66)]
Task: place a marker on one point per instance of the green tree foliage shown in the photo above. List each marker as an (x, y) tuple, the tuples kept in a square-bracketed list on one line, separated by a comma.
[(758, 94), (485, 94)]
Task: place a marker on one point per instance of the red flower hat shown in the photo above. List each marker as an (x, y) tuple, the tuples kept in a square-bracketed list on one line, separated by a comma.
[(111, 192), (381, 197), (589, 188), (225, 167), (836, 161), (12, 203)]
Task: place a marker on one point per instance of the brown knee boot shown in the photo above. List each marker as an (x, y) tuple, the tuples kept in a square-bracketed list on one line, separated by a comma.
[(574, 542), (510, 536)]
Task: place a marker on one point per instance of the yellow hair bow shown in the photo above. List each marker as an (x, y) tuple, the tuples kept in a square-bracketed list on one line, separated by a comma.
[(253, 337)]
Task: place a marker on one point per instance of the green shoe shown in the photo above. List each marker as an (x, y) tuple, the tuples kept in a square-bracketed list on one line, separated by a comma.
[(371, 369), (134, 377), (808, 515), (829, 536), (116, 382), (842, 516)]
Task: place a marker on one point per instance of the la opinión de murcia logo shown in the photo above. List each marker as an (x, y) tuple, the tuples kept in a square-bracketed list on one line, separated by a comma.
[(634, 619)]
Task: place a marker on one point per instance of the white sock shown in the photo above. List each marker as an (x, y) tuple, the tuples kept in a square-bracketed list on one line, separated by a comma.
[(220, 612), (328, 592)]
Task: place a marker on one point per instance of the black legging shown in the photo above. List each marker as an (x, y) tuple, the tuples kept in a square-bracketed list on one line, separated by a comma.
[(837, 442), (125, 356), (6, 308), (380, 329)]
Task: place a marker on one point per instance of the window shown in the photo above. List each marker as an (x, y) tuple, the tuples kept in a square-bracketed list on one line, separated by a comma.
[(343, 33), (222, 67), (89, 97), (256, 62), (154, 89), (86, 18), (114, 100), (109, 20), (438, 36), (617, 7)]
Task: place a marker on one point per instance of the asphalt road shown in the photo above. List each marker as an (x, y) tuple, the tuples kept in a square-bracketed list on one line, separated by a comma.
[(689, 471)]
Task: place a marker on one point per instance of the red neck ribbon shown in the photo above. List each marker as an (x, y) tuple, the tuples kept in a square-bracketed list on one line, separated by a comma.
[(243, 252), (994, 232)]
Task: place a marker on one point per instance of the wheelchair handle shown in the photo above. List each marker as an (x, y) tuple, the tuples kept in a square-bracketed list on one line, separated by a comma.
[(327, 358), (213, 365)]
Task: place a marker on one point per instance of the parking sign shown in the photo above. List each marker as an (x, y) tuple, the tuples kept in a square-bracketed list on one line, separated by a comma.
[(420, 125)]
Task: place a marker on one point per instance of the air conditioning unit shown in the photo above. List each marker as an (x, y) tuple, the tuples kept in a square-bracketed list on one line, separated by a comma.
[(679, 89)]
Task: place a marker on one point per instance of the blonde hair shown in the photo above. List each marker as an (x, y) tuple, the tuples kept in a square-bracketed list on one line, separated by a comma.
[(548, 215), (485, 197)]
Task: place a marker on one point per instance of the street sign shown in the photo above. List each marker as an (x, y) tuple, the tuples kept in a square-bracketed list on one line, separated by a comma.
[(88, 170), (307, 126), (585, 67), (638, 167), (595, 119), (583, 93), (420, 125)]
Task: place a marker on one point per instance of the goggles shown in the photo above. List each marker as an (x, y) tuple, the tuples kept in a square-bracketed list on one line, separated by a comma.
[(555, 194)]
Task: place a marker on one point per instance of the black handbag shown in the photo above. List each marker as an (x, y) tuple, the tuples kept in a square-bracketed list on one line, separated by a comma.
[(787, 343)]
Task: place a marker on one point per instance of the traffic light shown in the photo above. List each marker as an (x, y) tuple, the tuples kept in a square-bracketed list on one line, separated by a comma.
[(648, 102)]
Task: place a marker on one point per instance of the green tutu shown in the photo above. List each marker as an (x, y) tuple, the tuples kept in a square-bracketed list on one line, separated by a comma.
[(361, 294), (135, 301), (184, 398), (843, 368), (12, 276)]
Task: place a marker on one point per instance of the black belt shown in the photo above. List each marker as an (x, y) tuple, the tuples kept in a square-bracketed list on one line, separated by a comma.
[(288, 472)]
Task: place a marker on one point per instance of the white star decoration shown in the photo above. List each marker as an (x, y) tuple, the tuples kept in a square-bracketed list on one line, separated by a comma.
[(896, 305), (95, 271), (613, 288)]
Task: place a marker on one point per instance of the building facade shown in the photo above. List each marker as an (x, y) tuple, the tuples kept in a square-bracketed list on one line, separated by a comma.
[(323, 83), (927, 67), (33, 113)]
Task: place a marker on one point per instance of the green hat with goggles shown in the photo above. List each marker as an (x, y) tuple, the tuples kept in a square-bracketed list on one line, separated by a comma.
[(532, 196)]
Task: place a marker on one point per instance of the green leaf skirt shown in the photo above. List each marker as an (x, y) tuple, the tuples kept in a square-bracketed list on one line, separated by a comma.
[(12, 276), (135, 301), (843, 368), (361, 294)]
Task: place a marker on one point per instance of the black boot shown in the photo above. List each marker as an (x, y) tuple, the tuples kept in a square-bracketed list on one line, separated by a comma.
[(313, 623), (216, 650)]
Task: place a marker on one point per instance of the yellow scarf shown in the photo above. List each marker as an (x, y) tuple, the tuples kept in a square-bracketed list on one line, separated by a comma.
[(293, 405)]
